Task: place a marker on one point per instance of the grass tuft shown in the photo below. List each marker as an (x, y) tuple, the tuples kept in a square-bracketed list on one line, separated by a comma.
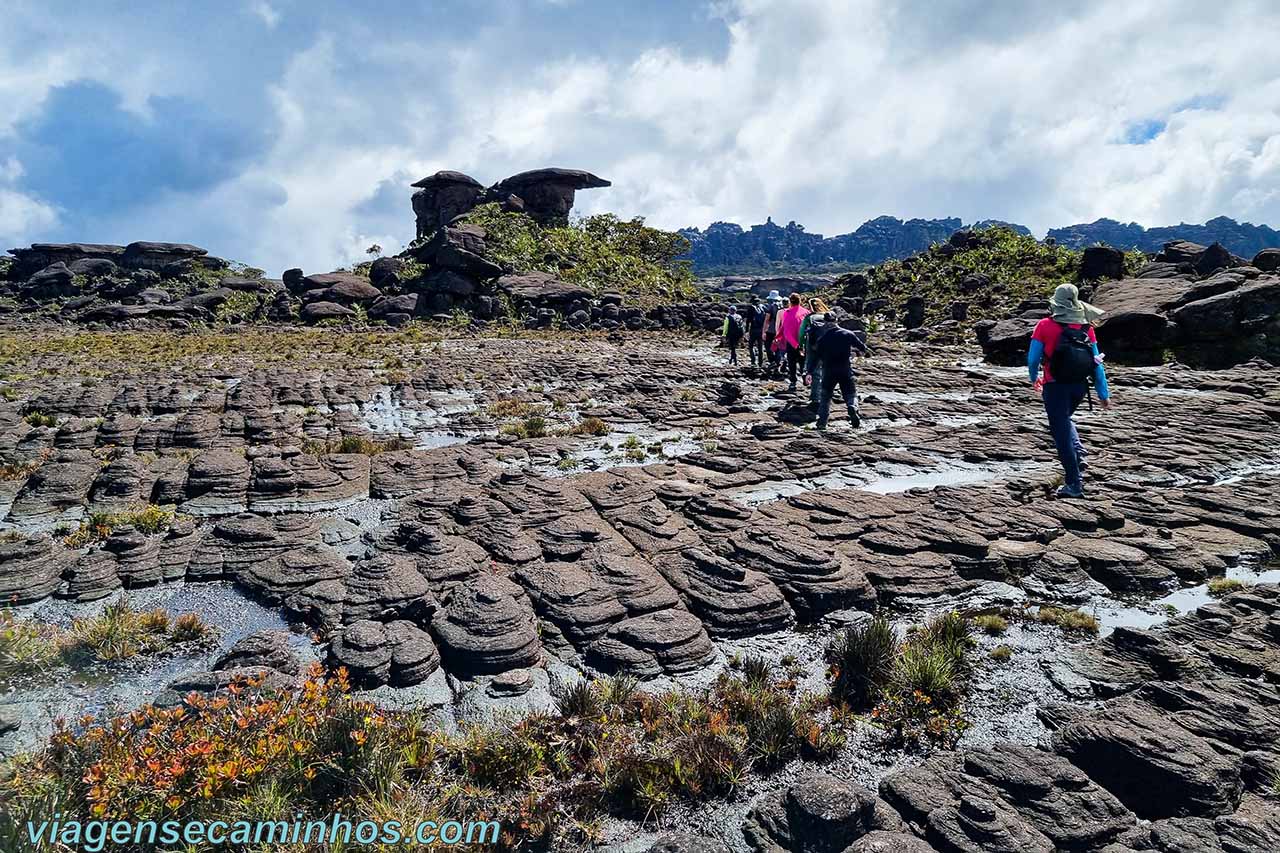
[(1068, 619)]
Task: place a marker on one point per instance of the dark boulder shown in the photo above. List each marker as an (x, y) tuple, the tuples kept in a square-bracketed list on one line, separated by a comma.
[(340, 287), (442, 197), (52, 282), (314, 312), (156, 256), (1268, 260), (1153, 766), (1236, 312), (1005, 341), (293, 280), (913, 312), (40, 255), (548, 193), (1101, 262), (385, 272), (405, 303), (541, 288), (93, 267), (460, 249)]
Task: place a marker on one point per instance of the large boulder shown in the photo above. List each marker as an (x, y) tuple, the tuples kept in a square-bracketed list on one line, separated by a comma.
[(31, 260), (1236, 312), (1155, 767), (145, 255), (344, 288), (460, 249), (1268, 260), (1101, 262), (52, 282), (541, 288), (442, 197), (1005, 341), (314, 312), (548, 193)]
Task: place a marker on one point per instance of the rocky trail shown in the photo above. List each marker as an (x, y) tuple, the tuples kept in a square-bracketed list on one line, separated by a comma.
[(471, 524)]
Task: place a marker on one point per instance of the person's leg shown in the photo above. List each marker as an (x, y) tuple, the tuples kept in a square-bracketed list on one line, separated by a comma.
[(1057, 407), (849, 391), (756, 348), (824, 400), (1077, 399), (793, 358), (815, 383)]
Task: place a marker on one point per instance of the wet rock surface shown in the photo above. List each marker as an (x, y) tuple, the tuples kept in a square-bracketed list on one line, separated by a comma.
[(475, 561)]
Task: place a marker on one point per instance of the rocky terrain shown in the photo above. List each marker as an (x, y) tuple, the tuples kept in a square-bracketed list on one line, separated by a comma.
[(369, 492), (471, 483)]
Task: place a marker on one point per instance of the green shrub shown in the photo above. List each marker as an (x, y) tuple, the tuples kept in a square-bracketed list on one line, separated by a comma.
[(601, 253), (146, 518), (862, 658), (1001, 654), (38, 419), (1068, 619), (991, 623), (1220, 587)]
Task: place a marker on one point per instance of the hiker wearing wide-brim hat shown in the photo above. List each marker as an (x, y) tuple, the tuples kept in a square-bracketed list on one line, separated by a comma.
[(1065, 346)]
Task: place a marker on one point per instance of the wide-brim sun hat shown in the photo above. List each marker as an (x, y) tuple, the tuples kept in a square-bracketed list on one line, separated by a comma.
[(774, 295), (1066, 306)]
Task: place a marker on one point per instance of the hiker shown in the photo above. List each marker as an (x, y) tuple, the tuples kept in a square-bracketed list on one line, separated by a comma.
[(811, 329), (789, 329), (834, 348), (773, 303), (755, 331), (732, 333), (1065, 345)]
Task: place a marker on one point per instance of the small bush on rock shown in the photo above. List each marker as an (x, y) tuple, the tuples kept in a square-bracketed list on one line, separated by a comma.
[(862, 658)]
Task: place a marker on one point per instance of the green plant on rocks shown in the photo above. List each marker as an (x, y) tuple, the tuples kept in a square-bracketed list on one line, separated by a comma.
[(1221, 587), (601, 253), (862, 659)]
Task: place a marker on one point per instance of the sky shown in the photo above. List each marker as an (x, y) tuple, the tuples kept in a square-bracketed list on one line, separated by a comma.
[(286, 133)]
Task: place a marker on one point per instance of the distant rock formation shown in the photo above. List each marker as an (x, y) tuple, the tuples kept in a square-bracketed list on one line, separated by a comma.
[(725, 248), (545, 194), (1240, 238)]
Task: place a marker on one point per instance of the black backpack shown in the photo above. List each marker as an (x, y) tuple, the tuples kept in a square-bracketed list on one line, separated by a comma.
[(757, 318), (1072, 359)]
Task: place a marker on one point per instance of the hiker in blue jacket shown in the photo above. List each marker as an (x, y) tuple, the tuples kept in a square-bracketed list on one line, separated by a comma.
[(1066, 347)]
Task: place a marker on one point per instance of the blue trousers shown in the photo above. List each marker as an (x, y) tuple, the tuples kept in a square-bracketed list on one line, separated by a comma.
[(848, 390), (1060, 402)]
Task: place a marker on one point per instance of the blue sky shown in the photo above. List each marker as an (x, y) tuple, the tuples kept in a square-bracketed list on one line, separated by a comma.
[(285, 133)]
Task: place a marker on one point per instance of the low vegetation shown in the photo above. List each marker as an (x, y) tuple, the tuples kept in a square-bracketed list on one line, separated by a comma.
[(913, 686), (356, 444), (997, 269), (1220, 587), (607, 748), (1068, 619), (991, 623), (146, 518), (601, 253), (29, 647)]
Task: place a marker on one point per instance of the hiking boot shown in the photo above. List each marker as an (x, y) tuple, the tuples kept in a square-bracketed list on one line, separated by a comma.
[(854, 420), (820, 426), (1070, 492), (1084, 466)]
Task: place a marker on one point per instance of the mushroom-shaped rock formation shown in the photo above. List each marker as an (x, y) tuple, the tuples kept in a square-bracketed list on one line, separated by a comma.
[(442, 197), (548, 193), (485, 627)]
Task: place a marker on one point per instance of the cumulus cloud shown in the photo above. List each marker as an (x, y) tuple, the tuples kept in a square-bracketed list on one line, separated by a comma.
[(21, 215), (828, 112)]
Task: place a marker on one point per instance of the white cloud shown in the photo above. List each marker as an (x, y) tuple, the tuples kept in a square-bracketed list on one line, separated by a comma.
[(828, 112), (21, 215)]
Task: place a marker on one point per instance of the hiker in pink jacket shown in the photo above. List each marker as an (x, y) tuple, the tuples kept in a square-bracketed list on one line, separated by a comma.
[(789, 330)]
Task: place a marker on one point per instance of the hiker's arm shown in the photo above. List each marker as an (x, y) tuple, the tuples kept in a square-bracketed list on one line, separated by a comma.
[(1100, 375), (1034, 356)]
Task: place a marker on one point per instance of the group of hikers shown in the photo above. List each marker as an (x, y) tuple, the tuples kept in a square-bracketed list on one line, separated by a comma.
[(803, 340), (1063, 361)]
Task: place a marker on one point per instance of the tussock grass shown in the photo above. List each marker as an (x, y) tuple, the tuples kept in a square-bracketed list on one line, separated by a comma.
[(118, 633), (1221, 587), (146, 518), (1068, 619), (991, 623)]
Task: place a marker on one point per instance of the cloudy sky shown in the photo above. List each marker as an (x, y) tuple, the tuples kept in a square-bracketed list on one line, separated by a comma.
[(286, 132)]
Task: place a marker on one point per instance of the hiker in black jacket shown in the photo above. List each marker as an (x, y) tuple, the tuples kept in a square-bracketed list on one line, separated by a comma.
[(755, 332), (834, 349), (732, 333)]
